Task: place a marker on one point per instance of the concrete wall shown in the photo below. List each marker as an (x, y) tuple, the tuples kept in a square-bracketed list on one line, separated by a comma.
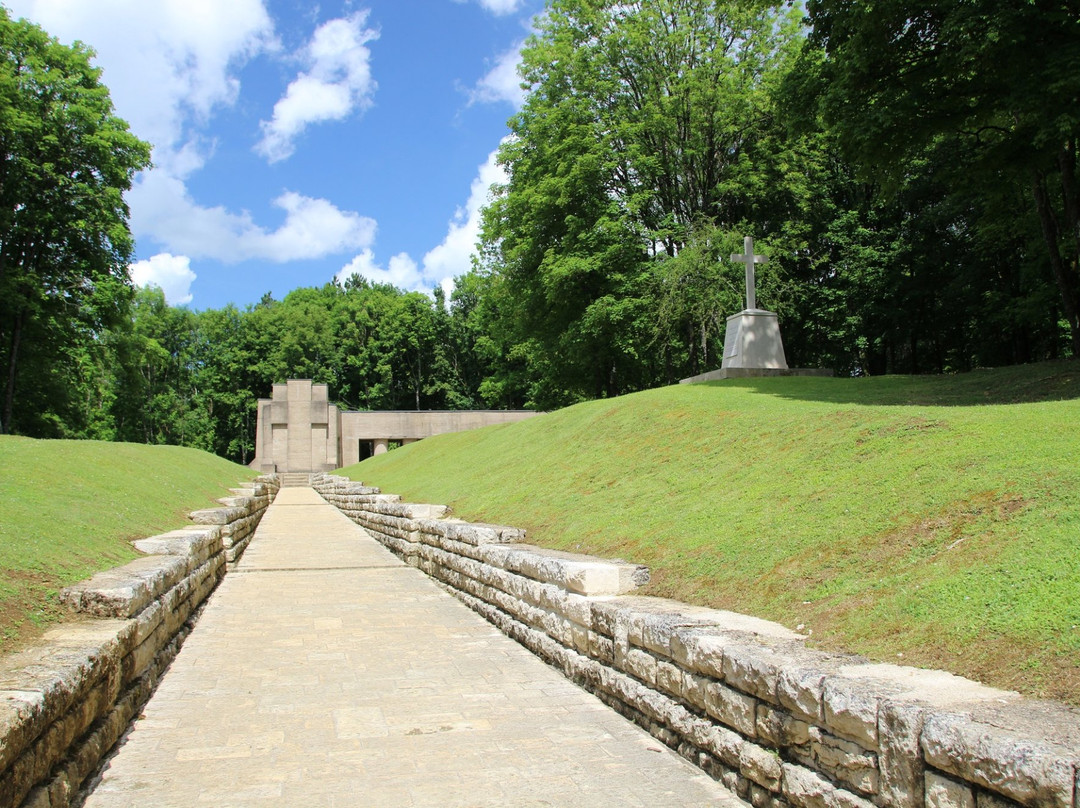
[(66, 701), (745, 699), (298, 430)]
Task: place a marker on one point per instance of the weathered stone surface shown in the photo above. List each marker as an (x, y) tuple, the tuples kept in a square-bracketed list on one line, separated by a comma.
[(941, 792), (195, 543), (800, 687), (471, 533), (851, 705), (760, 765), (217, 516), (1024, 750), (806, 789), (732, 708), (582, 575), (754, 668), (847, 763), (779, 729), (125, 591)]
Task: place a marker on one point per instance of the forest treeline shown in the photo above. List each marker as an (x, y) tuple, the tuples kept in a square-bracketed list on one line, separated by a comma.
[(909, 168)]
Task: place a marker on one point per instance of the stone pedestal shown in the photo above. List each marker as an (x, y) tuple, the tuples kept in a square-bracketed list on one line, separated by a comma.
[(753, 340)]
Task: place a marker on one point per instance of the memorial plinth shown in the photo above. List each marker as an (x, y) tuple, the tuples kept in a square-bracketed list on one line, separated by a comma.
[(753, 340), (752, 344)]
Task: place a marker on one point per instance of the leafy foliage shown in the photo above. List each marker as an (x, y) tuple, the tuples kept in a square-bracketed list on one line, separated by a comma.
[(65, 161)]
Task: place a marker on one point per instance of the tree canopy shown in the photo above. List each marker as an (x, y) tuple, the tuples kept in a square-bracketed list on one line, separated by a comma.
[(65, 162), (909, 169)]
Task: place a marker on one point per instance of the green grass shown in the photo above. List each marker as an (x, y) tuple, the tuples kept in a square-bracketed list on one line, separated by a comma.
[(69, 509), (932, 521)]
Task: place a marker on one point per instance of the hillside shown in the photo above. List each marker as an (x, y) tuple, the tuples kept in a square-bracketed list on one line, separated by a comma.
[(932, 521), (71, 508)]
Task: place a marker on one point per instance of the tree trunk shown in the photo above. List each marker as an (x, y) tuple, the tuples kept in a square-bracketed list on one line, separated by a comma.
[(1061, 275), (9, 387), (1067, 164)]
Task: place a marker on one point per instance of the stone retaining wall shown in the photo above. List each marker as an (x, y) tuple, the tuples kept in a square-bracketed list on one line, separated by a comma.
[(745, 699), (66, 701)]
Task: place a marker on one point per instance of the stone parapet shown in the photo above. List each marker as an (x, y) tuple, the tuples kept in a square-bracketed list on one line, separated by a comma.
[(66, 701), (744, 698)]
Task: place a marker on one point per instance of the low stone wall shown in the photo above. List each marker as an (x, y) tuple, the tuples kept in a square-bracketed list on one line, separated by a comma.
[(66, 701), (779, 723)]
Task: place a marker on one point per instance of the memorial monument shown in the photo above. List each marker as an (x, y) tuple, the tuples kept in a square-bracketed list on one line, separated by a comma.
[(752, 339), (752, 344)]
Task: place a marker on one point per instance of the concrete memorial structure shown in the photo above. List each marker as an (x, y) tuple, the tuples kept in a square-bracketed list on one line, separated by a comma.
[(752, 344), (752, 339), (299, 430)]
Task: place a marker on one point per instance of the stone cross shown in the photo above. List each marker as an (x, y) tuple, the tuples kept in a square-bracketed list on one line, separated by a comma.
[(749, 259)]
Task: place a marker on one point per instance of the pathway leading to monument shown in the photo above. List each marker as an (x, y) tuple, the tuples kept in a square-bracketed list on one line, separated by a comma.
[(326, 672)]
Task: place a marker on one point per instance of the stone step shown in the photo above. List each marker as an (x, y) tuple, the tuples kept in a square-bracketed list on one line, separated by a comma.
[(294, 479)]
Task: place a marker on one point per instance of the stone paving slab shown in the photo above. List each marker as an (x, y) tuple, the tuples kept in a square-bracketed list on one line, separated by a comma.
[(325, 672)]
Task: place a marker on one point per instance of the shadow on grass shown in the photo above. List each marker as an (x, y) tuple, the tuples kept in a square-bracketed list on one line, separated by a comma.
[(1020, 384)]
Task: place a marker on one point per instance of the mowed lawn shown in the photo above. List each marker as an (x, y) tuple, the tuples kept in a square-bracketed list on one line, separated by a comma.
[(71, 508), (931, 521)]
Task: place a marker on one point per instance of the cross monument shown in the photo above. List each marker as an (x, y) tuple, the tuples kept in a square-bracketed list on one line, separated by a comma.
[(747, 257)]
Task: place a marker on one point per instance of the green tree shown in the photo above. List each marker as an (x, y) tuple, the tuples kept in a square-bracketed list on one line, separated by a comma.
[(65, 161), (648, 125), (995, 82)]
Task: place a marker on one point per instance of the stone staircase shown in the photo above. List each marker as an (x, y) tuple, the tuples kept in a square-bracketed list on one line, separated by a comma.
[(294, 479)]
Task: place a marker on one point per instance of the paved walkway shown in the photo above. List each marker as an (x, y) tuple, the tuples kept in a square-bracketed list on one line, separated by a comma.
[(325, 672)]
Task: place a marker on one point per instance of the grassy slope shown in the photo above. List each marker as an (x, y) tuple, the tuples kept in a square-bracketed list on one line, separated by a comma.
[(933, 521), (70, 508)]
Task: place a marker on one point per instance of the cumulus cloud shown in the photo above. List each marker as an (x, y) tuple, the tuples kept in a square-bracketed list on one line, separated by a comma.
[(502, 82), (453, 256), (313, 228), (501, 7), (402, 271), (171, 273), (168, 64), (337, 82)]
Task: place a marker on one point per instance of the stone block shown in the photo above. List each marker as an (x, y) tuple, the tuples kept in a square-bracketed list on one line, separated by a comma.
[(806, 789), (196, 543), (471, 533), (641, 665), (669, 678), (582, 575), (217, 516), (1024, 750), (732, 708), (781, 730), (847, 763), (941, 792), (755, 668), (700, 650), (851, 706), (601, 648), (800, 686), (125, 591), (760, 766), (694, 690)]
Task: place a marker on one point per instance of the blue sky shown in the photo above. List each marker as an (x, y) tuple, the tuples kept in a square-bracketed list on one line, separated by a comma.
[(295, 142)]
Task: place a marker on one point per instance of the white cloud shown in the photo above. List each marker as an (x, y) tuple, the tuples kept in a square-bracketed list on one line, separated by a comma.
[(172, 273), (502, 82), (337, 82), (501, 7), (453, 256), (168, 64), (313, 228), (402, 271)]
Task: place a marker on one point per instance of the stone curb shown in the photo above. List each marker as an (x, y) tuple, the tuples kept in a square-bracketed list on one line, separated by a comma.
[(744, 698), (67, 700)]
